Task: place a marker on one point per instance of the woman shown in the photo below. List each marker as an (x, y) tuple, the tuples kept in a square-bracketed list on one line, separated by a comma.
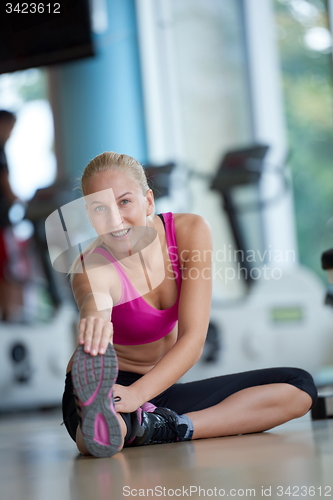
[(157, 333)]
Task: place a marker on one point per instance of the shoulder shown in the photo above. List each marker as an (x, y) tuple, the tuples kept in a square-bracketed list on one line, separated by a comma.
[(90, 260), (96, 265), (99, 275), (95, 258), (193, 232), (189, 226)]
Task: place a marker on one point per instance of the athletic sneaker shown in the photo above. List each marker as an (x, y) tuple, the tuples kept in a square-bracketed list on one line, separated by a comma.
[(163, 426), (93, 380)]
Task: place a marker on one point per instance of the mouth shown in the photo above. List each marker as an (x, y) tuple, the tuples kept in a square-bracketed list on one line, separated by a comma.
[(117, 234)]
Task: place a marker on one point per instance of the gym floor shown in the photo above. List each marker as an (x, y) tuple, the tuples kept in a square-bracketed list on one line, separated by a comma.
[(38, 461)]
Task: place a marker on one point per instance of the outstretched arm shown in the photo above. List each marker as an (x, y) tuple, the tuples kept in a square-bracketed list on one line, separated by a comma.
[(91, 290), (195, 245)]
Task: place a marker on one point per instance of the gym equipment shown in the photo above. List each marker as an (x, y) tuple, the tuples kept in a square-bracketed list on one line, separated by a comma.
[(34, 356), (33, 360), (281, 320), (324, 406)]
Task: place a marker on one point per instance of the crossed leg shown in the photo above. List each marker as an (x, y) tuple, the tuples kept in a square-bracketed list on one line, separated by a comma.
[(254, 409), (239, 403)]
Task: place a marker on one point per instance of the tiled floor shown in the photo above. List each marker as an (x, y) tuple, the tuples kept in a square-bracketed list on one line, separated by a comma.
[(38, 461)]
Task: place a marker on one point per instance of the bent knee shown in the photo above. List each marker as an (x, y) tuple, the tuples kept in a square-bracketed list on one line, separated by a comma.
[(302, 379), (299, 402)]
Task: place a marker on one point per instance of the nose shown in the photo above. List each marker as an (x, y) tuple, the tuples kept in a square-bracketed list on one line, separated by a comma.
[(115, 220)]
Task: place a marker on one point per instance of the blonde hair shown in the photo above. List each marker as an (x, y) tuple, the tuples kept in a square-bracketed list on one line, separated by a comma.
[(103, 162)]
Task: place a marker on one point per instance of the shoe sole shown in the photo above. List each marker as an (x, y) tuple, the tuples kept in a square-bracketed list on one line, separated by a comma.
[(93, 380)]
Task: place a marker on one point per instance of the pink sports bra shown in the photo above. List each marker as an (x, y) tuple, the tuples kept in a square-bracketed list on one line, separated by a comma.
[(135, 321)]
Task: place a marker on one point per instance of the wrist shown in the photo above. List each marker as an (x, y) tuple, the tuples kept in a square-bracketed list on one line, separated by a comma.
[(139, 393), (90, 310)]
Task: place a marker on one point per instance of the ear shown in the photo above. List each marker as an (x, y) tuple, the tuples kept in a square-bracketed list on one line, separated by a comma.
[(150, 202)]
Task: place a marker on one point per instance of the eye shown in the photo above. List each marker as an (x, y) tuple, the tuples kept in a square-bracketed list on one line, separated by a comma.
[(126, 201), (99, 206)]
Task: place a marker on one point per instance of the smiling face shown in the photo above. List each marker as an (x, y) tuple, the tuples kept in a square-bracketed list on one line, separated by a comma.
[(115, 205)]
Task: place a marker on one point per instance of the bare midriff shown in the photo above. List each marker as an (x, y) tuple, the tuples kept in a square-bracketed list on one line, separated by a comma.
[(141, 358)]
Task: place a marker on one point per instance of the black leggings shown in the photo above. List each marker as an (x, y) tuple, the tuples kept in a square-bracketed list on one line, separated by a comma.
[(194, 396)]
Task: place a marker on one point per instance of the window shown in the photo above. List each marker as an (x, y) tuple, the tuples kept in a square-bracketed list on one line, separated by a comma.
[(29, 151), (305, 45)]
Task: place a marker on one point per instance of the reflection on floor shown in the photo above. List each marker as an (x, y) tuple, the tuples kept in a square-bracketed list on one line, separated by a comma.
[(38, 461)]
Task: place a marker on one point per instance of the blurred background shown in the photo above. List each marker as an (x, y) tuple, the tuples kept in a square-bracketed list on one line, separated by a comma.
[(229, 107)]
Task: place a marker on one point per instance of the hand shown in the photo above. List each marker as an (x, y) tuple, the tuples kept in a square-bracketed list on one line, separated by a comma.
[(95, 334), (129, 399)]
